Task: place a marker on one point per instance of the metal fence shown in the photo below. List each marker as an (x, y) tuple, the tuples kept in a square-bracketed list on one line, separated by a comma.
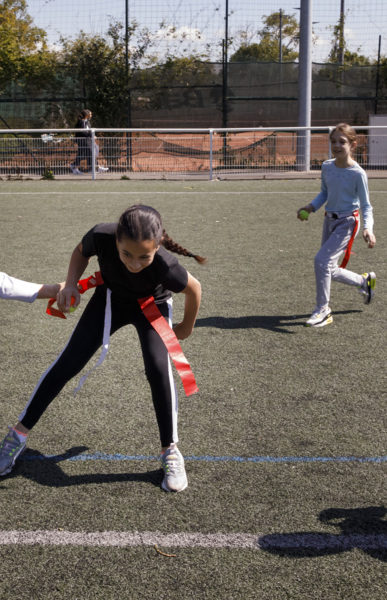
[(206, 153)]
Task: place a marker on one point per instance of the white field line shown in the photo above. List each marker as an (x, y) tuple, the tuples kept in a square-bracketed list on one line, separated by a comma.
[(156, 193), (286, 541)]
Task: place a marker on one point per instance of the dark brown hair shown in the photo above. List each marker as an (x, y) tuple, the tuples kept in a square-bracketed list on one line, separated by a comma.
[(347, 130), (83, 114), (140, 222)]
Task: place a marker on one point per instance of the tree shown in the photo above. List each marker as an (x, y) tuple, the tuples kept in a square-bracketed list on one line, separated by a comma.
[(268, 47), (339, 44), (25, 57), (94, 67)]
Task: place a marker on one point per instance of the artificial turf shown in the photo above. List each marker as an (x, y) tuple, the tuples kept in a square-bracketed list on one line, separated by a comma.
[(268, 386)]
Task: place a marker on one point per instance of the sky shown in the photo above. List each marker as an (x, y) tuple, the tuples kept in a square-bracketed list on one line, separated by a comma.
[(182, 25)]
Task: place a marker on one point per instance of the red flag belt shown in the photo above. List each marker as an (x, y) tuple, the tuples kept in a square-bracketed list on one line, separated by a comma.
[(158, 322), (347, 254), (86, 284)]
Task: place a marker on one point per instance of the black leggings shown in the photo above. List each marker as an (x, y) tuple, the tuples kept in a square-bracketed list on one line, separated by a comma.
[(85, 341), (84, 151)]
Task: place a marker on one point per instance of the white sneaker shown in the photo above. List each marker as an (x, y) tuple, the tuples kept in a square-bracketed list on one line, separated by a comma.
[(175, 477), (76, 171), (367, 290), (320, 317), (11, 448), (102, 169)]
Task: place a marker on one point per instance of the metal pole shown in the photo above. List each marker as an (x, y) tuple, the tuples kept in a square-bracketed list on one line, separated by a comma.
[(280, 49), (225, 65), (304, 86), (93, 154), (211, 132), (341, 38), (377, 77), (225, 74), (329, 143), (128, 97), (280, 35)]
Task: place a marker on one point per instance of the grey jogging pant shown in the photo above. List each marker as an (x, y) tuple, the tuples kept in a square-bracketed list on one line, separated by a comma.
[(335, 238)]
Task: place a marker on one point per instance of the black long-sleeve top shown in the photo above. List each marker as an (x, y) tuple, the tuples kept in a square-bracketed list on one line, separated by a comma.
[(85, 126)]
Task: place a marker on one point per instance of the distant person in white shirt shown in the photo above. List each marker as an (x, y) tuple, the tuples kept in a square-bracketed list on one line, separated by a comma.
[(344, 189), (16, 289)]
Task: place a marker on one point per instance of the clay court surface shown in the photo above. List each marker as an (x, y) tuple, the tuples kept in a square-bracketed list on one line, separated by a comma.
[(168, 154), (285, 441)]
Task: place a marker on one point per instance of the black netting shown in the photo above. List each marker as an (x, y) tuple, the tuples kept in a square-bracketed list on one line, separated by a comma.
[(196, 100)]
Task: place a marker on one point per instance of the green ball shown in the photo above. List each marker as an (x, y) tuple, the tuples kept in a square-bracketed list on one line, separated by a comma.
[(304, 215), (72, 309)]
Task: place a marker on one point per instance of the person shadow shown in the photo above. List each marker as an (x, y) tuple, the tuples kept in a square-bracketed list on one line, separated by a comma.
[(271, 323), (46, 471), (362, 528)]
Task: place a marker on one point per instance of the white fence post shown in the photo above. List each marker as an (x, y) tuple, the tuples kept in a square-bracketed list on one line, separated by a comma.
[(211, 132), (329, 143), (93, 154), (305, 86)]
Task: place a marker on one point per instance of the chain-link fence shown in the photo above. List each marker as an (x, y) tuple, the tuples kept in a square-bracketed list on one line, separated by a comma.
[(206, 154)]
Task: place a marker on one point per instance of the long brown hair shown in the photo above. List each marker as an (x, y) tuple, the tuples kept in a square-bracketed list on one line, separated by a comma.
[(140, 222), (347, 130)]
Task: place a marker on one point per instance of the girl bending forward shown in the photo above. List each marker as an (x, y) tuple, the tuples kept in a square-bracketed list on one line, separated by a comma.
[(344, 189), (134, 264)]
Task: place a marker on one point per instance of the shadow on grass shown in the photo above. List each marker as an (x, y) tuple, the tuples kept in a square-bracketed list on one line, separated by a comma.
[(362, 528), (49, 473), (271, 323)]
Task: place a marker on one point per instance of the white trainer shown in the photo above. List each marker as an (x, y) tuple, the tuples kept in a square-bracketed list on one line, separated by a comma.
[(75, 170), (102, 169), (320, 317), (367, 290), (11, 448), (175, 477)]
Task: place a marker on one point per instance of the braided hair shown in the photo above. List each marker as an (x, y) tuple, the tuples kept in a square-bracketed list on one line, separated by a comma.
[(140, 222)]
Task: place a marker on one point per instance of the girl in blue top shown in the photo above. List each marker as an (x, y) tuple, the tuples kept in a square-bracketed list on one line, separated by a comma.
[(344, 189)]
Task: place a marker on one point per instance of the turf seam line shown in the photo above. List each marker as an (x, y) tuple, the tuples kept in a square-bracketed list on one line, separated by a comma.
[(273, 542), (159, 193), (208, 458)]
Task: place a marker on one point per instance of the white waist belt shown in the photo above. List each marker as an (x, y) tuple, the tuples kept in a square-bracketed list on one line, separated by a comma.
[(105, 340)]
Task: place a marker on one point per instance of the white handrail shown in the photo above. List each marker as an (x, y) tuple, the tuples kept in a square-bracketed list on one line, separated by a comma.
[(199, 130)]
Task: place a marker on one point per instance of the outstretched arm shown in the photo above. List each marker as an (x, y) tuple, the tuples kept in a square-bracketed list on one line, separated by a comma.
[(193, 294), (78, 264)]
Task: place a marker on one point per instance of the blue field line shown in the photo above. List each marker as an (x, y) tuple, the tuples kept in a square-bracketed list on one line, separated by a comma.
[(207, 458)]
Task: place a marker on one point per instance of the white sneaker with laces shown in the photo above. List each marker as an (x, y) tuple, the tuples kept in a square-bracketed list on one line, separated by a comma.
[(11, 448), (320, 317), (76, 171), (102, 169), (175, 477), (367, 290)]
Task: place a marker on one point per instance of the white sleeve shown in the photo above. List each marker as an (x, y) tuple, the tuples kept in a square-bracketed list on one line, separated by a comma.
[(15, 289)]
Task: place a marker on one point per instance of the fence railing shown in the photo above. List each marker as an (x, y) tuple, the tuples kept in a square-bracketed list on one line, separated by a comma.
[(202, 152)]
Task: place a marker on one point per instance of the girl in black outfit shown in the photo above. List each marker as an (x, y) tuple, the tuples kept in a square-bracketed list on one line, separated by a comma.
[(84, 141), (134, 264)]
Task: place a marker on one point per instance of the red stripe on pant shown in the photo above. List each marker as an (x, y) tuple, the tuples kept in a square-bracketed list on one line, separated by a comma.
[(347, 254)]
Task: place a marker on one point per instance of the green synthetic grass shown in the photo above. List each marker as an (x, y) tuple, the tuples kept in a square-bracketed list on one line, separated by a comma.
[(268, 386)]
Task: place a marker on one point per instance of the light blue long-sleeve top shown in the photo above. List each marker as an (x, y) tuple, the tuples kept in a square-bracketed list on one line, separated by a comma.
[(344, 190)]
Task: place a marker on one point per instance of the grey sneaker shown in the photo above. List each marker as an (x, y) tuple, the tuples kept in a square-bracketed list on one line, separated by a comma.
[(175, 478), (367, 290), (11, 448)]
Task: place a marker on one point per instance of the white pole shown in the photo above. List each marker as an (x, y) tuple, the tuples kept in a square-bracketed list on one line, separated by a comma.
[(304, 86), (93, 153), (329, 143), (211, 154)]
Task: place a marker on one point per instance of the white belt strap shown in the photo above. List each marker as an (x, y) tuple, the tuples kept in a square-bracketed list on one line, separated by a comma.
[(105, 341)]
